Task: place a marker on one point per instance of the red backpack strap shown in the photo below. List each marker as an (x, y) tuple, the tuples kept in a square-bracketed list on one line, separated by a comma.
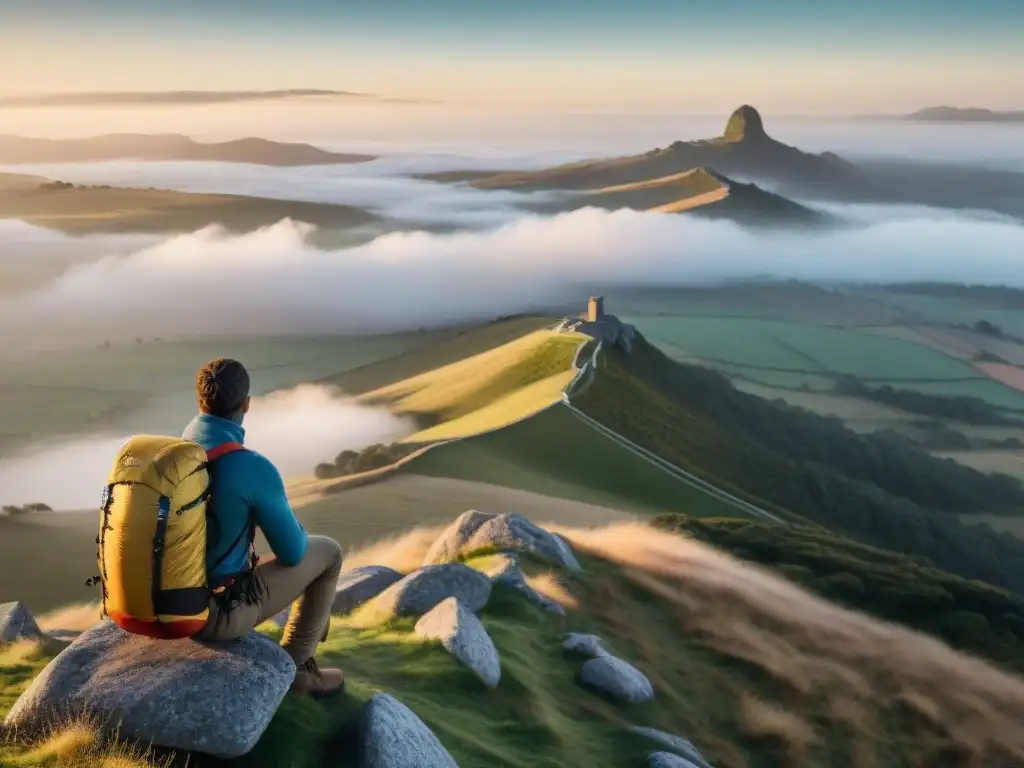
[(223, 449)]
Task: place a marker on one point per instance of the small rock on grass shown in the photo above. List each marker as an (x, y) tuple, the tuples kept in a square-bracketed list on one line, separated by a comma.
[(421, 590), (590, 646), (392, 736), (462, 634), (679, 745), (475, 531), (16, 623), (616, 679)]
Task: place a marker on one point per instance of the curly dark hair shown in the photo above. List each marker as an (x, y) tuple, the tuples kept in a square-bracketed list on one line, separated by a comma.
[(221, 387)]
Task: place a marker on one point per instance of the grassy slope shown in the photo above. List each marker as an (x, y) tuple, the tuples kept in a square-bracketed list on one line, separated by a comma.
[(762, 677), (659, 192), (91, 209), (488, 390), (556, 454), (461, 344), (874, 490), (966, 614)]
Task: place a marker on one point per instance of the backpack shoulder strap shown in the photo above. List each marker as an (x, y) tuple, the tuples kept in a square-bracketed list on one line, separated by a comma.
[(223, 450), (211, 456)]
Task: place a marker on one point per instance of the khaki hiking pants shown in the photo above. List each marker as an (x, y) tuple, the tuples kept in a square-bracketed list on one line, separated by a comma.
[(308, 588)]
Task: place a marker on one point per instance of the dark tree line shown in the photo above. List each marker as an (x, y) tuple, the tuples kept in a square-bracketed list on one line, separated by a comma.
[(969, 410), (373, 457)]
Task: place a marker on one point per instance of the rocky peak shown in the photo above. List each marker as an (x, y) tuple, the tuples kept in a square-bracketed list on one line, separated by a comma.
[(745, 125)]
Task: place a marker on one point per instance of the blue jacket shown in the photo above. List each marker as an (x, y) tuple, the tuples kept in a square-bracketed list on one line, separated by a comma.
[(245, 489)]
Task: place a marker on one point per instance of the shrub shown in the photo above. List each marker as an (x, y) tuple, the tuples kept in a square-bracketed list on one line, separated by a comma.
[(325, 471)]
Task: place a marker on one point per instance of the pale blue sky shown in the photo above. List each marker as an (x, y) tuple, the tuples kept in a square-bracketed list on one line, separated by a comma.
[(883, 55)]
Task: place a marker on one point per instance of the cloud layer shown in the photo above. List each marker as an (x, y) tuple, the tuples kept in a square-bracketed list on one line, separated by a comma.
[(274, 282), (296, 429), (170, 98)]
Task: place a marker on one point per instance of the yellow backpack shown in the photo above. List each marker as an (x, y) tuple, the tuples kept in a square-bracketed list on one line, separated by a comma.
[(152, 536)]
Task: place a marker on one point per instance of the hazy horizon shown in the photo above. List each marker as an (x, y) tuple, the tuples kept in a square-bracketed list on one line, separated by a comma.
[(793, 55)]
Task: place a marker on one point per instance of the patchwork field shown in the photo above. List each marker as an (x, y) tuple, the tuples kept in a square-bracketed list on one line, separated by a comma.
[(1005, 462), (1009, 375), (796, 302), (798, 337)]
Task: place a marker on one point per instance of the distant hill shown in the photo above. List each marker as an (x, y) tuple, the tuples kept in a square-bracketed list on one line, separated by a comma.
[(964, 115), (130, 146), (84, 209), (746, 152), (702, 192)]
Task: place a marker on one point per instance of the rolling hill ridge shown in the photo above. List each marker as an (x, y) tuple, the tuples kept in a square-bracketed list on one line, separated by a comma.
[(137, 146)]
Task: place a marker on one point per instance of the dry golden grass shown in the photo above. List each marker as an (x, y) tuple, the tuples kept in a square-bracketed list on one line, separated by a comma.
[(74, 742), (72, 618), (404, 552), (80, 743), (818, 651), (553, 588), (770, 722)]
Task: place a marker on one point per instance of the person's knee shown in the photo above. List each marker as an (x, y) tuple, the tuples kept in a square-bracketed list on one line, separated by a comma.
[(326, 549)]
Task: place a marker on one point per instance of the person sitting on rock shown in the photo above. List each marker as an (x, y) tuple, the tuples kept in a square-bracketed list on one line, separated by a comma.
[(247, 493)]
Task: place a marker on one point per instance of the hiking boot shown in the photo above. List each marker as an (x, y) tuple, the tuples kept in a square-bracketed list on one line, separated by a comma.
[(310, 680)]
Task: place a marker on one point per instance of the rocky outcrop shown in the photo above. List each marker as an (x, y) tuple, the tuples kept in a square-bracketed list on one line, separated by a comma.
[(16, 623), (505, 571), (421, 590), (616, 679), (680, 746), (610, 331), (590, 646), (464, 637), (475, 531), (392, 736), (745, 125), (361, 585), (502, 569), (182, 694)]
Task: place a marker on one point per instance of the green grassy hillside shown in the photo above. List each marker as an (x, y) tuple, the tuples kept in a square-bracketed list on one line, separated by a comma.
[(488, 390), (882, 492), (556, 454)]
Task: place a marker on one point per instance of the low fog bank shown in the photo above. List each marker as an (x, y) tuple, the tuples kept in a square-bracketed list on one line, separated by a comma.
[(295, 428), (31, 256), (489, 133), (275, 282), (381, 186)]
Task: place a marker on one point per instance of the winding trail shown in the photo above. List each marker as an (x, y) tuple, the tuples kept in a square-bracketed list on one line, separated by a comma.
[(575, 387)]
